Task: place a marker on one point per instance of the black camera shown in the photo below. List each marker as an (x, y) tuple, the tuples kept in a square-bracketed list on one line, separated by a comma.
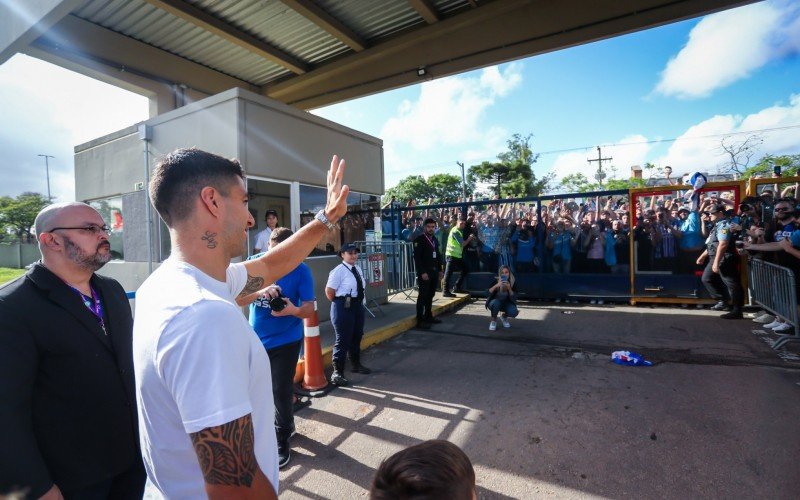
[(777, 169), (277, 304)]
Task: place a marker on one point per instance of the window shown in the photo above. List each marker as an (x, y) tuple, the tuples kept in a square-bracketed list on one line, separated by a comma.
[(361, 210), (111, 211)]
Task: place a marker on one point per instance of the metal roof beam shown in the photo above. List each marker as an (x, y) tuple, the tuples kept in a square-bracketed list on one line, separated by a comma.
[(426, 10), (327, 22), (203, 19), (98, 52)]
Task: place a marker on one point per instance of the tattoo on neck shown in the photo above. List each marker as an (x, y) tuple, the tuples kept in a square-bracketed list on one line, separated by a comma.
[(210, 239)]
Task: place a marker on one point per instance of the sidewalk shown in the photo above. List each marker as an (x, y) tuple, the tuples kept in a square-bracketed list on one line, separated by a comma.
[(393, 318)]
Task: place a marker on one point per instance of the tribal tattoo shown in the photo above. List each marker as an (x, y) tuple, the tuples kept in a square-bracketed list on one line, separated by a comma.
[(226, 453), (210, 239), (254, 284)]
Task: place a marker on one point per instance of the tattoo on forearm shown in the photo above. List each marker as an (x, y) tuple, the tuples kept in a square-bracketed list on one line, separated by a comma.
[(210, 239), (253, 285), (226, 453)]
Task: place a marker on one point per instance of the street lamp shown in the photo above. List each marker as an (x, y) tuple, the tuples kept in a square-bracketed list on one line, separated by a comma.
[(47, 170)]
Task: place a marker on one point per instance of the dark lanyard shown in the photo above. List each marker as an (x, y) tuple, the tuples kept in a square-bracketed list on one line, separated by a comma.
[(93, 304)]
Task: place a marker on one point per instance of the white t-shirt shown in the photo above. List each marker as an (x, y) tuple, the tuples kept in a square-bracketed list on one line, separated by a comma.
[(198, 364), (262, 240)]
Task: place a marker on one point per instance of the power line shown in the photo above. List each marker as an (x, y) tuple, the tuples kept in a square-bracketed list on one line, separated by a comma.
[(654, 141)]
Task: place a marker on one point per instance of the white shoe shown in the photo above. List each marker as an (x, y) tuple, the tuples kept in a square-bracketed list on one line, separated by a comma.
[(774, 324), (593, 302), (493, 326), (764, 318), (600, 302), (783, 327), (506, 324), (557, 301)]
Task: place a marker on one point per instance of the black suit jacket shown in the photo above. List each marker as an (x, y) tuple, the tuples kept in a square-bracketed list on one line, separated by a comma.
[(67, 397)]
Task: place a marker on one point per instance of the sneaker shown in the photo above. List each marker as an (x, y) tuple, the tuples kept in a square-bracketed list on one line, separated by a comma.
[(593, 302), (732, 315), (284, 453), (448, 294), (600, 302), (774, 324), (699, 306), (764, 318), (719, 306), (506, 324), (493, 326), (432, 320), (783, 327), (557, 301)]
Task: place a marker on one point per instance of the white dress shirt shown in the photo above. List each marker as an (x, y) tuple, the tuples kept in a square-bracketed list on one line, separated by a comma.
[(341, 279)]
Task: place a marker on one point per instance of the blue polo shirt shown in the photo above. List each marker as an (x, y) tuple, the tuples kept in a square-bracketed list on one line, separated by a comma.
[(298, 287)]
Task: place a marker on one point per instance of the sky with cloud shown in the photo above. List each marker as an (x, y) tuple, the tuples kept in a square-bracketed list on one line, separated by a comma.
[(666, 96)]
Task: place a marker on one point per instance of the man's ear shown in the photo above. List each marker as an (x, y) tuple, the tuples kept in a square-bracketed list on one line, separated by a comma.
[(48, 240), (211, 200)]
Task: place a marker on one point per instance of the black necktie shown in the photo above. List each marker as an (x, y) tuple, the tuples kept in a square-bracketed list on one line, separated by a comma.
[(359, 284)]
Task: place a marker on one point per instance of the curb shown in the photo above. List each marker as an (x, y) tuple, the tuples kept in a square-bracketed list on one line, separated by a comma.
[(385, 333)]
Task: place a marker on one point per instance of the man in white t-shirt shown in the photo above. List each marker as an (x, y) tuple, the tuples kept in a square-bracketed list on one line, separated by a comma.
[(262, 238), (202, 377)]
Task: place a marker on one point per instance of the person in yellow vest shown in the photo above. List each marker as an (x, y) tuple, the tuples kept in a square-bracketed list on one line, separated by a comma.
[(454, 257)]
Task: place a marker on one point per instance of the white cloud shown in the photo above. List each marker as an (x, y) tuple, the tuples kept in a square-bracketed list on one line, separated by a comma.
[(449, 111), (49, 110), (731, 45), (692, 151)]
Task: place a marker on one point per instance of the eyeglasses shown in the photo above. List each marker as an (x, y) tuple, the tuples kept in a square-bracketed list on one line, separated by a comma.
[(785, 209), (92, 229)]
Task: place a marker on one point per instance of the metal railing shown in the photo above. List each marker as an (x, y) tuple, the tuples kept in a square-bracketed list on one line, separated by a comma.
[(773, 288), (389, 269)]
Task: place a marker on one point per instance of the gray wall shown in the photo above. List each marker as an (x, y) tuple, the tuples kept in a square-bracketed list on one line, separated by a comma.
[(109, 166), (283, 143), (18, 255)]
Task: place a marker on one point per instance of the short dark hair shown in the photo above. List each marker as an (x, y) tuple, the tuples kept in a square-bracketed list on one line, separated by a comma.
[(429, 221), (270, 212), (431, 470), (280, 234), (179, 177)]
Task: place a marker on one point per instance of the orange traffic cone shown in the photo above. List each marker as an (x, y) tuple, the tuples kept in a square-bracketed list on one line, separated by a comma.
[(314, 379)]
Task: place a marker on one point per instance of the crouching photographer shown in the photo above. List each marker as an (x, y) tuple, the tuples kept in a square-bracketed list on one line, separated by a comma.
[(276, 315)]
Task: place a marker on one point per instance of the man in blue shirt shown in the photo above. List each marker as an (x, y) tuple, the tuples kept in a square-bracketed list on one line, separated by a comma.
[(281, 333)]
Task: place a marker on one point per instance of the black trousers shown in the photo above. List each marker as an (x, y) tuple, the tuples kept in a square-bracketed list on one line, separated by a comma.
[(454, 263), (427, 289), (726, 284), (128, 485), (283, 363)]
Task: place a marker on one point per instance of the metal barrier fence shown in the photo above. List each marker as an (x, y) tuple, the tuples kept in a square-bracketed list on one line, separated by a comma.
[(388, 267), (773, 288)]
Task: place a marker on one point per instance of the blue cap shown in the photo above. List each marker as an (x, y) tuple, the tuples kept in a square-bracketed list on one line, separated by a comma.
[(349, 247)]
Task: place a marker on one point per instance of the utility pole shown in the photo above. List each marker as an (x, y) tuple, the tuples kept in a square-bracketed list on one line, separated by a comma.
[(600, 175), (463, 180), (47, 170)]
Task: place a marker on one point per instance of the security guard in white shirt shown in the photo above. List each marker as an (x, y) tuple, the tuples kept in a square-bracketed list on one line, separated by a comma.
[(345, 290)]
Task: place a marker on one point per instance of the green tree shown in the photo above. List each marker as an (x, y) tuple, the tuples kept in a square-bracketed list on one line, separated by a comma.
[(790, 165), (413, 187), (512, 175), (446, 187), (439, 187), (18, 214), (577, 183)]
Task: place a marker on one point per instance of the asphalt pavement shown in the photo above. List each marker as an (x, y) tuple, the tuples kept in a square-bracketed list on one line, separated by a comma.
[(542, 411)]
